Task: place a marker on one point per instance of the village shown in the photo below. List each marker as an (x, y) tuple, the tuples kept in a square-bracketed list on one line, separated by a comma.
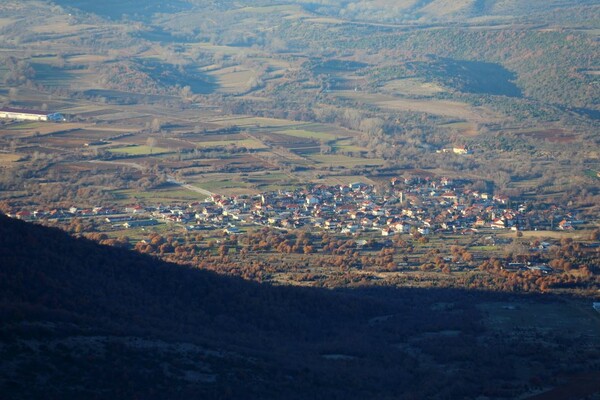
[(416, 206)]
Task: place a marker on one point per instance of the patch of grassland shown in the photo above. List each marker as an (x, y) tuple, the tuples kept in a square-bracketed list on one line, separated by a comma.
[(344, 180), (167, 194), (232, 79), (446, 108), (483, 248), (347, 145), (414, 87)]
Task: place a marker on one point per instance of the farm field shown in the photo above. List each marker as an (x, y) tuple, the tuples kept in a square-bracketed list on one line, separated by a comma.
[(445, 108), (338, 160), (412, 87), (9, 158), (139, 150)]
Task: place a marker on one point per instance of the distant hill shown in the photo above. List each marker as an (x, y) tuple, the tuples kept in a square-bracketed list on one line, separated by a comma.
[(134, 9), (79, 320), (375, 11), (440, 10)]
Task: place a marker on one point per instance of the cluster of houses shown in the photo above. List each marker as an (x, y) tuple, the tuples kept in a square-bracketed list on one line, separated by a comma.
[(409, 205), (406, 206)]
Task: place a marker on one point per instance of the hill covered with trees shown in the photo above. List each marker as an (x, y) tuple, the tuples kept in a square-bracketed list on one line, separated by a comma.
[(84, 320)]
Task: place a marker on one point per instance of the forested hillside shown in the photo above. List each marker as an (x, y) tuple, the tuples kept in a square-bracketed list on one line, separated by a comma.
[(550, 66), (79, 319)]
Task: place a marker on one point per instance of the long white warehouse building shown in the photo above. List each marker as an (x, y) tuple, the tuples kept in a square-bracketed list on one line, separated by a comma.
[(29, 115)]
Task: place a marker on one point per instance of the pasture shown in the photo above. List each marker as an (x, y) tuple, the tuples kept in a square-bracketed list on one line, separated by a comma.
[(232, 79), (307, 134), (165, 194), (413, 87), (445, 108)]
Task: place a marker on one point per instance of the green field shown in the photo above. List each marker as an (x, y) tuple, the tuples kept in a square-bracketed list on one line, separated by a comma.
[(309, 134), (247, 143)]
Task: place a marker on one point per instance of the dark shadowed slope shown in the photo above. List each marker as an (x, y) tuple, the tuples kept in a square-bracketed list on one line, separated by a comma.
[(133, 9), (79, 320)]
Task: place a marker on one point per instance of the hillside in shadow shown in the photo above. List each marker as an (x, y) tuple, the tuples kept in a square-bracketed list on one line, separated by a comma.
[(79, 320), (131, 8)]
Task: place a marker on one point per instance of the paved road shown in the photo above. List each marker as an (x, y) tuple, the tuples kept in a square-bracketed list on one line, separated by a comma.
[(174, 181)]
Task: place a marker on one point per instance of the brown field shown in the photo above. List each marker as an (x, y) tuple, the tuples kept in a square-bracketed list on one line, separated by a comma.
[(579, 235), (91, 134), (40, 149), (87, 58), (32, 128), (90, 112), (61, 142), (168, 143), (280, 139), (97, 166), (345, 180), (62, 27), (215, 138), (463, 128), (552, 135), (9, 158)]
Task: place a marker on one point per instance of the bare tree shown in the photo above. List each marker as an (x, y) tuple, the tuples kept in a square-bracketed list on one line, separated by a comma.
[(151, 142)]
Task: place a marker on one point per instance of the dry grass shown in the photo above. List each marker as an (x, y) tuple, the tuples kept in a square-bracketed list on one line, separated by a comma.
[(444, 108), (575, 235), (338, 160), (232, 79), (6, 22), (61, 27), (88, 58), (463, 128), (254, 121), (28, 129), (413, 87), (6, 159)]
